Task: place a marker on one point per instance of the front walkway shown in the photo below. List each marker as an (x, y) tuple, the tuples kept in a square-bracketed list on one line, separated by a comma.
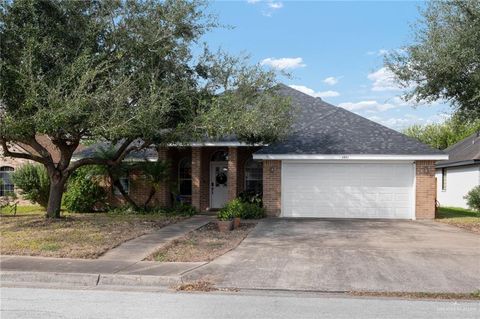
[(141, 247)]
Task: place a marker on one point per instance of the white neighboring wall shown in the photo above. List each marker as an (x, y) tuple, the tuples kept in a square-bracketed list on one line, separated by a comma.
[(460, 180)]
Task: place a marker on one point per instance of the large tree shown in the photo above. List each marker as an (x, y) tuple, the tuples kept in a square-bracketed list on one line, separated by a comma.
[(443, 62), (123, 72), (443, 135)]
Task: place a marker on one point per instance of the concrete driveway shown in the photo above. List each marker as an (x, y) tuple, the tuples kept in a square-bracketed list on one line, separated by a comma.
[(346, 255)]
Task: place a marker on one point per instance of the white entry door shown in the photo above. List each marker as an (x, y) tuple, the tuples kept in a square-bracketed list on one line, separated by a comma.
[(348, 190), (218, 184)]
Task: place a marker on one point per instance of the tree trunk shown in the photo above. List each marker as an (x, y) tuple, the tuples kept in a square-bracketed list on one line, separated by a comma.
[(119, 186), (150, 196), (57, 187)]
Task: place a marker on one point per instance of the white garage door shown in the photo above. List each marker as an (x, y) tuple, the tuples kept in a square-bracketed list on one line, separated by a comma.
[(345, 190)]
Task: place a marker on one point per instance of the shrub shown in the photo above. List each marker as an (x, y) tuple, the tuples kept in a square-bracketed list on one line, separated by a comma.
[(251, 197), (182, 209), (83, 191), (473, 198), (252, 211), (33, 182), (239, 208)]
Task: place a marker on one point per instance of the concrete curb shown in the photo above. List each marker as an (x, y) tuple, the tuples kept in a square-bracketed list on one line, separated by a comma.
[(76, 279), (89, 280)]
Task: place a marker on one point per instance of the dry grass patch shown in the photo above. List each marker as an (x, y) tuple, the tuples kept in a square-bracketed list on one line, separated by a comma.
[(199, 285), (460, 217), (203, 244), (75, 235)]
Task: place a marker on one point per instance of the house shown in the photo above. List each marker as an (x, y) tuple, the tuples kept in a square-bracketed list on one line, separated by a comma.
[(334, 164), (457, 176), (9, 164)]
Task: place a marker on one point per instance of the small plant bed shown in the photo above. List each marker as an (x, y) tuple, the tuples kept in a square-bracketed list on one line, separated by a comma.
[(203, 244), (460, 217), (74, 235)]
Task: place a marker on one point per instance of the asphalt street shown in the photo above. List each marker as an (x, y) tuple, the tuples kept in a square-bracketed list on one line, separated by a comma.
[(93, 303)]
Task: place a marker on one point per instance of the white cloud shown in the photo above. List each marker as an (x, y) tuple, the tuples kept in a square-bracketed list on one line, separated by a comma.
[(284, 63), (381, 52), (368, 105), (383, 80), (253, 1), (331, 80), (275, 5), (312, 92)]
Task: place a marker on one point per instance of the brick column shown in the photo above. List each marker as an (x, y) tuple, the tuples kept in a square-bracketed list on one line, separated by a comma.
[(232, 181), (272, 172), (163, 193), (425, 190), (197, 177)]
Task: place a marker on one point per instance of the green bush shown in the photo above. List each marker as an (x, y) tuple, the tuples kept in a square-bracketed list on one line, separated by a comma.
[(473, 198), (182, 209), (33, 182), (83, 192), (251, 197), (241, 209)]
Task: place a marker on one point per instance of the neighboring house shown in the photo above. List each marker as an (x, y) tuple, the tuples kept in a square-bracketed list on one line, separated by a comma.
[(333, 164), (457, 176), (9, 164)]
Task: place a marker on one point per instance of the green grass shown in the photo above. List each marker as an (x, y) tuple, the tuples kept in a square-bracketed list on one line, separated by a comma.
[(24, 210), (456, 212), (460, 217)]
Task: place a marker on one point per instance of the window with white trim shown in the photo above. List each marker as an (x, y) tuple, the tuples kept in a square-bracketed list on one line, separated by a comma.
[(444, 179), (6, 184), (254, 176)]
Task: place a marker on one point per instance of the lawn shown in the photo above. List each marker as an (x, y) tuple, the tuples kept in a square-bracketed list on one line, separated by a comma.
[(460, 217), (74, 235), (203, 244)]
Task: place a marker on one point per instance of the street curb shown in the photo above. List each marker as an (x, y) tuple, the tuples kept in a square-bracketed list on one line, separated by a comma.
[(138, 280), (89, 280), (76, 279)]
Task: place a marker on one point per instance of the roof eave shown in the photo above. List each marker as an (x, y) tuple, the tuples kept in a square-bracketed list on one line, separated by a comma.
[(369, 157)]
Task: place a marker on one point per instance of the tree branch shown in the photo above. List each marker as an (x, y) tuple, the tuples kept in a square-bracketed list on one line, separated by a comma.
[(27, 156)]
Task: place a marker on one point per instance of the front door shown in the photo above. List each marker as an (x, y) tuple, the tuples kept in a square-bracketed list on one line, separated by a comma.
[(218, 184)]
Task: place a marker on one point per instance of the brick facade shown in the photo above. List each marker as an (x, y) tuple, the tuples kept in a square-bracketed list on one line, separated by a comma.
[(425, 193), (272, 172)]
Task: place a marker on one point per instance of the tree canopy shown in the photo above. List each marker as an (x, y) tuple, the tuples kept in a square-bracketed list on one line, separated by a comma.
[(443, 135), (443, 62), (123, 71)]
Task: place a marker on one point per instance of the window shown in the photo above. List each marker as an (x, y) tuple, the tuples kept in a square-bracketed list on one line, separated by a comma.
[(185, 177), (444, 179), (254, 176), (125, 181), (6, 184)]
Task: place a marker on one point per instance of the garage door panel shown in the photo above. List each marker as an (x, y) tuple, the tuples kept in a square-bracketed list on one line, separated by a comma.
[(347, 190)]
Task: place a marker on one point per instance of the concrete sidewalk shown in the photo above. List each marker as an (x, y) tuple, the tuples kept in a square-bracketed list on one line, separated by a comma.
[(139, 248), (92, 272)]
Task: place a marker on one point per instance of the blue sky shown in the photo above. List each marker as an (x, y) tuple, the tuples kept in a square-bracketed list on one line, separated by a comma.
[(332, 49)]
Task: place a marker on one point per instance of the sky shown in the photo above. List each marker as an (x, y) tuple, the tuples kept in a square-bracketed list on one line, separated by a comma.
[(333, 50)]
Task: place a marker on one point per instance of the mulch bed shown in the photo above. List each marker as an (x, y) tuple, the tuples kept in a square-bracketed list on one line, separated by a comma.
[(203, 244)]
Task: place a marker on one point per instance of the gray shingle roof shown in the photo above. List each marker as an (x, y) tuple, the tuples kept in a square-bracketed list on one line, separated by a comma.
[(465, 152), (321, 128)]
